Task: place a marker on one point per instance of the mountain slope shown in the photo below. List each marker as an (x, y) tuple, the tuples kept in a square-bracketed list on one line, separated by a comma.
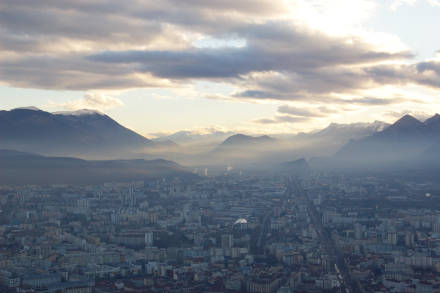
[(346, 132), (82, 133), (433, 123), (296, 167), (25, 168), (241, 140), (402, 142), (194, 137), (244, 146)]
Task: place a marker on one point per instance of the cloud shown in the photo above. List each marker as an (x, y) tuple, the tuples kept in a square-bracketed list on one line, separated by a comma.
[(306, 51), (293, 114), (434, 2), (281, 119), (397, 3), (95, 101), (306, 112), (301, 112), (277, 46), (372, 101), (58, 44)]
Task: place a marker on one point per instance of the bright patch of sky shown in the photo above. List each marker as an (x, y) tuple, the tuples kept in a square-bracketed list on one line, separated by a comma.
[(11, 97), (416, 23), (215, 43)]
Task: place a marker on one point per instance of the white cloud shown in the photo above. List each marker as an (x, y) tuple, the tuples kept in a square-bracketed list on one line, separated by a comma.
[(434, 2), (96, 101), (397, 3), (331, 15)]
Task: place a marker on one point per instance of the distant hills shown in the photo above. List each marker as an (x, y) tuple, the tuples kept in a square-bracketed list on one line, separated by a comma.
[(269, 151), (26, 168), (83, 133), (187, 137), (241, 140), (240, 147), (341, 132), (298, 167)]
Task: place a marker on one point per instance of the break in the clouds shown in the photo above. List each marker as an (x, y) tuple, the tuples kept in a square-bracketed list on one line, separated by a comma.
[(289, 51)]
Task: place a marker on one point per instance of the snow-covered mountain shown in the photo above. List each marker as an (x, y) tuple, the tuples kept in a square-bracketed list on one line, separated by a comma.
[(79, 112), (352, 130), (207, 136), (407, 140)]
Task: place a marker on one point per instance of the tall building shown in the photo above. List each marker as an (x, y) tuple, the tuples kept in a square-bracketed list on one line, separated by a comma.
[(227, 241), (409, 239), (149, 239), (131, 197)]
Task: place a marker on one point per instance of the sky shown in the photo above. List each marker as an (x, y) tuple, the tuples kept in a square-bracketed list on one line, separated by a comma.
[(253, 66)]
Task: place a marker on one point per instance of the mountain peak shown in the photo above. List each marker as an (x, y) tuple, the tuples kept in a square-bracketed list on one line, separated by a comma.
[(433, 120), (237, 138), (31, 108), (239, 135), (84, 133), (353, 130), (406, 124), (247, 139), (407, 121)]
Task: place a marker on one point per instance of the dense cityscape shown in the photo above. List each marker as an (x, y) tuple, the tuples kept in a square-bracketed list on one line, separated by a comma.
[(235, 233)]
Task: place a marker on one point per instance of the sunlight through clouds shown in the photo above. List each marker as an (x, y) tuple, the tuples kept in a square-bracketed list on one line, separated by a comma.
[(305, 54), (96, 101)]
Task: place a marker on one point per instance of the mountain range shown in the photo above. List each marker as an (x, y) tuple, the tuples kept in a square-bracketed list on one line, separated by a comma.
[(350, 131), (213, 146), (91, 134), (84, 133), (188, 137), (406, 142)]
